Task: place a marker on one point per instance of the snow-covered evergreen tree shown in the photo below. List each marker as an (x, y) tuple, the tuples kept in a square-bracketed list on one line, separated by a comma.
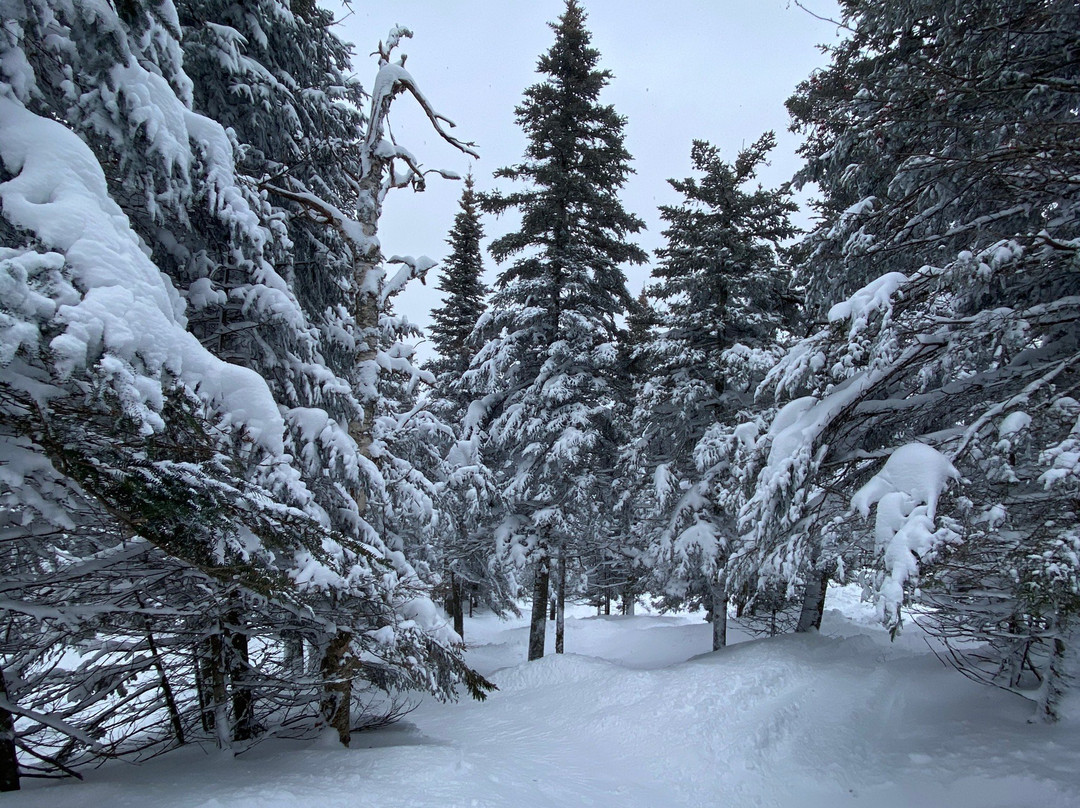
[(388, 439), (613, 564), (153, 490), (461, 281), (721, 293), (546, 369), (279, 80), (474, 563), (940, 393)]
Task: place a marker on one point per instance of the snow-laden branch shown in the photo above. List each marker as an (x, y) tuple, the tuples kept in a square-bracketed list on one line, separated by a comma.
[(392, 80), (50, 721), (906, 493), (324, 212), (411, 268)]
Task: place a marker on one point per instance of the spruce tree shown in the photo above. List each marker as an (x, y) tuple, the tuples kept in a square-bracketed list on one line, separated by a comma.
[(189, 482), (473, 566), (547, 368), (462, 285), (722, 296), (942, 138)]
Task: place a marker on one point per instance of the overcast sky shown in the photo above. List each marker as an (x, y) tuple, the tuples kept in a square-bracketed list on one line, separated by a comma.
[(718, 70)]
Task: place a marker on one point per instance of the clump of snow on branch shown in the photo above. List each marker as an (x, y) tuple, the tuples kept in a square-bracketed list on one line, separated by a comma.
[(127, 316), (906, 493), (875, 296)]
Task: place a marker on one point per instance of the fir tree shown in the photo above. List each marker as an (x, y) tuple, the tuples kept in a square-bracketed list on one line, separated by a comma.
[(547, 371), (462, 285), (940, 137), (722, 297)]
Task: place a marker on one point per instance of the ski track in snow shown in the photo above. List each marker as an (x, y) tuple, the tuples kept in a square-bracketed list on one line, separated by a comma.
[(640, 716)]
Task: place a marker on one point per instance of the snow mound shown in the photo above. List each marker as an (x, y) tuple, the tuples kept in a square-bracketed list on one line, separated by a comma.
[(555, 670)]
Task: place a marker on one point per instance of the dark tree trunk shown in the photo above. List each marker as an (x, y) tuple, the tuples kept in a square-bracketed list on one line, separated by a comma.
[(294, 654), (166, 687), (607, 603), (459, 615), (243, 702), (560, 606), (719, 614), (629, 601), (336, 669), (202, 662), (813, 606), (538, 627), (9, 760)]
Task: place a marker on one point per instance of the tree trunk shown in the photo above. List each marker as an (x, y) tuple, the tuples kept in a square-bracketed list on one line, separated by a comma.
[(813, 606), (459, 615), (243, 703), (294, 654), (202, 664), (166, 688), (629, 601), (9, 760), (719, 613), (560, 605), (218, 692), (1052, 689), (336, 669), (366, 308), (538, 626), (607, 603)]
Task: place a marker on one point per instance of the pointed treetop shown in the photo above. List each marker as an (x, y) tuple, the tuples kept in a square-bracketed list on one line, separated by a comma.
[(461, 282)]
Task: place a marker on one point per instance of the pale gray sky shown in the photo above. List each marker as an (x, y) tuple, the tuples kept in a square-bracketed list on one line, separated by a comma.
[(719, 70)]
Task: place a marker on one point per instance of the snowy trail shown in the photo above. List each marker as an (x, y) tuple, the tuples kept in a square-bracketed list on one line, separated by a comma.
[(642, 717)]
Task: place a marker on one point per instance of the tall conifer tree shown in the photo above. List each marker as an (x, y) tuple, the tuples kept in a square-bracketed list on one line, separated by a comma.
[(190, 483), (471, 564), (548, 368), (720, 289)]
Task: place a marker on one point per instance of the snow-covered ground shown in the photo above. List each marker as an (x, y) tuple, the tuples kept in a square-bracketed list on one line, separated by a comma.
[(640, 714)]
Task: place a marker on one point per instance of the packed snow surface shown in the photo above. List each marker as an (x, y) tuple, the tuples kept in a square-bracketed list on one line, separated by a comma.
[(642, 714)]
